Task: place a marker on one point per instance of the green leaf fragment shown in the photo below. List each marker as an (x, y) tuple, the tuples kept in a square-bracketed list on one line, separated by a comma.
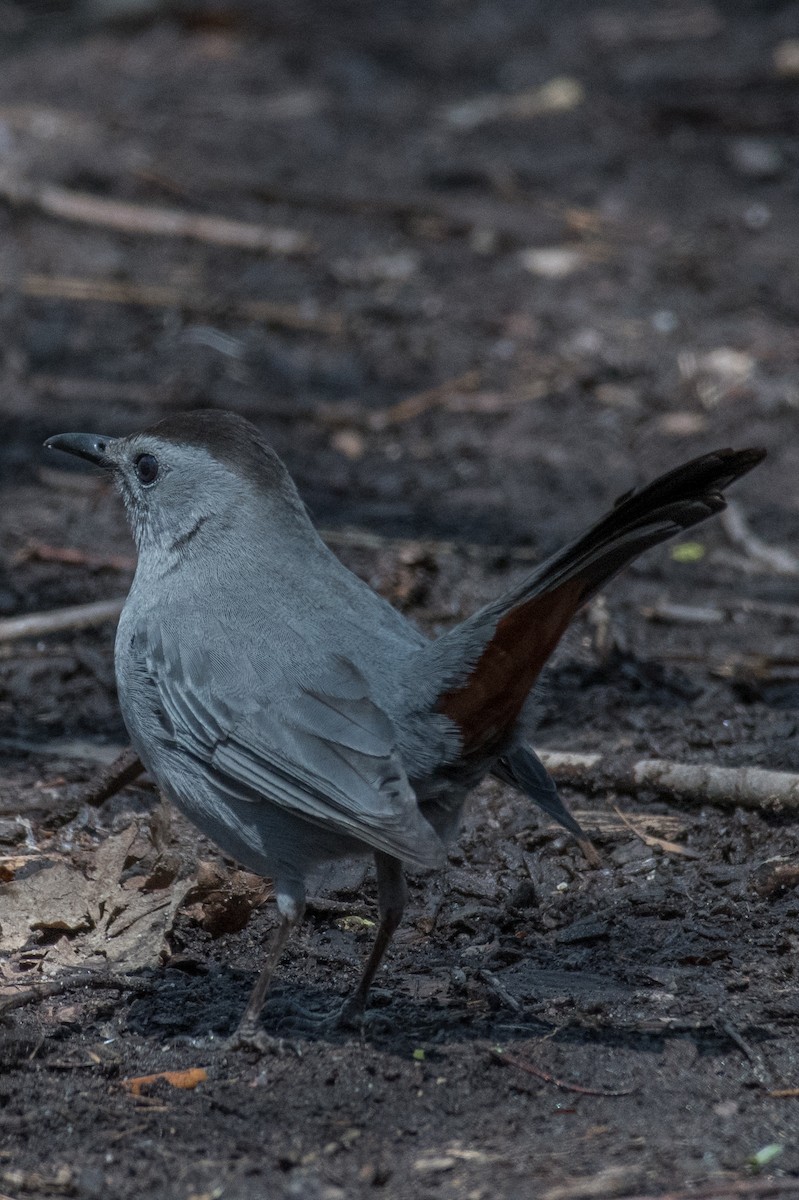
[(762, 1157), (688, 552)]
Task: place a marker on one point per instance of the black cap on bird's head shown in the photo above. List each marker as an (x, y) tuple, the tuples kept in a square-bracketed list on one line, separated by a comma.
[(230, 439), (189, 468)]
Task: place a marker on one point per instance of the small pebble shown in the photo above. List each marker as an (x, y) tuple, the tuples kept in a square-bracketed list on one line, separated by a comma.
[(552, 262), (664, 321), (757, 217), (755, 158)]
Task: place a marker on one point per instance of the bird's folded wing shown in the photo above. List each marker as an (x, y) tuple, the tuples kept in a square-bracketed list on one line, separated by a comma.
[(324, 753)]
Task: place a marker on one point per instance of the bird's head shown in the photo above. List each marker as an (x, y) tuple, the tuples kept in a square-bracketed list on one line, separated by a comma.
[(191, 477)]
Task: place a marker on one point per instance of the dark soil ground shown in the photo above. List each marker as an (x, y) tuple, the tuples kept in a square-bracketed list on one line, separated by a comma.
[(661, 988)]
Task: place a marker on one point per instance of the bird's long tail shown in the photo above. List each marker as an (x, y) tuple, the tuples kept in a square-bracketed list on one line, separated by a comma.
[(525, 625)]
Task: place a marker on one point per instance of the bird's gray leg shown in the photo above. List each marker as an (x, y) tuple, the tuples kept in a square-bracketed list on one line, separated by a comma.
[(249, 1034), (392, 896)]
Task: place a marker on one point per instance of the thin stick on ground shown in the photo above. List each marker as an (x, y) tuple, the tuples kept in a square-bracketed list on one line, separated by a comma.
[(499, 990), (140, 219), (153, 295), (510, 1060), (113, 779), (60, 620), (423, 402), (71, 556), (65, 983), (691, 614), (697, 783)]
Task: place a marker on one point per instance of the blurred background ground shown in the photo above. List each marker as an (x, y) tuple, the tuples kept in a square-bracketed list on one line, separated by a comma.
[(535, 254)]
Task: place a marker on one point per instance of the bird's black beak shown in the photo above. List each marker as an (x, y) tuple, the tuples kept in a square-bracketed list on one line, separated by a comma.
[(91, 446)]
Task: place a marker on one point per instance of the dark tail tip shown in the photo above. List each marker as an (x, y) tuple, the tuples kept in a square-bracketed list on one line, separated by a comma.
[(738, 462)]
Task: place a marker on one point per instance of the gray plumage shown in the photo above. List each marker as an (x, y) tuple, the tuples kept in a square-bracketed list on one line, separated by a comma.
[(288, 709)]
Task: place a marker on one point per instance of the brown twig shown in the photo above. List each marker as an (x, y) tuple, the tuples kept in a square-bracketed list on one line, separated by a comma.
[(106, 291), (701, 783), (530, 1069), (607, 825), (59, 620), (649, 839), (423, 402), (140, 219), (113, 779), (71, 556), (543, 223)]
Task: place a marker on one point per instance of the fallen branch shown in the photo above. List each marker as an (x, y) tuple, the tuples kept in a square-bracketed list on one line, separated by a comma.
[(529, 1068), (65, 983), (59, 620), (138, 219), (107, 291), (701, 783)]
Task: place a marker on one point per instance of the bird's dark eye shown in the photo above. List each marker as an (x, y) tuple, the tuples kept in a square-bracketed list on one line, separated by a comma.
[(147, 468)]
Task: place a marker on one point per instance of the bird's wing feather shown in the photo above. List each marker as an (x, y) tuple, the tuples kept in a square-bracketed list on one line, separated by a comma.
[(324, 752)]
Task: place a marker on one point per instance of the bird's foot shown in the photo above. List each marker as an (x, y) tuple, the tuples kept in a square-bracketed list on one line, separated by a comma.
[(351, 1017), (250, 1036)]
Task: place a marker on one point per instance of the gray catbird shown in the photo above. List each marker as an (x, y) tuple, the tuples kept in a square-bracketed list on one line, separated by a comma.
[(288, 709)]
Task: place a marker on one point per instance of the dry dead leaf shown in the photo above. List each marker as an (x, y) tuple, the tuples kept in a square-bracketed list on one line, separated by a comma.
[(648, 839), (103, 920), (179, 1079), (223, 902), (11, 863)]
